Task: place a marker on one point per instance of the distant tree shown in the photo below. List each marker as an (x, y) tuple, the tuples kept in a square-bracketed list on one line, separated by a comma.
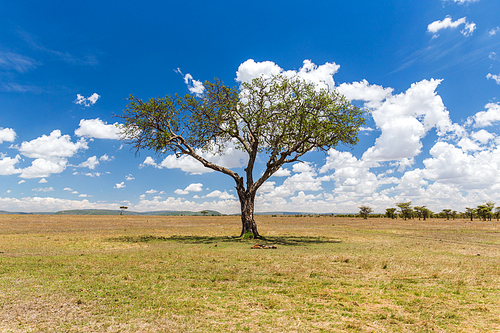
[(405, 209), (122, 209), (277, 118), (364, 211), (454, 214), (497, 213), (204, 212), (390, 212), (485, 211), (422, 212), (447, 213), (469, 212)]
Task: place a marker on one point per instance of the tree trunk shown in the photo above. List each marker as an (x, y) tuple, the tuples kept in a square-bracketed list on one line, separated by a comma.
[(248, 224)]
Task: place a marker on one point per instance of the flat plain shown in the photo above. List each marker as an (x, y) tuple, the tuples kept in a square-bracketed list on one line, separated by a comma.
[(192, 274)]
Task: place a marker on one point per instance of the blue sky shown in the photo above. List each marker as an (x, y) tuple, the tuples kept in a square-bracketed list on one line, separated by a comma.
[(428, 73)]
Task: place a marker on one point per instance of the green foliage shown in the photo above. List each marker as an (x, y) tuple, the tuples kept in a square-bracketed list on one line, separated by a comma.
[(390, 212), (405, 209), (364, 211)]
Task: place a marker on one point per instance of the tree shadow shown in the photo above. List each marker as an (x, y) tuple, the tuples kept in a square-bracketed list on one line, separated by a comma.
[(275, 240)]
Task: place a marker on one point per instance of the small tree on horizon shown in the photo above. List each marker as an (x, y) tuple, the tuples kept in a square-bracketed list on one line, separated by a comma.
[(405, 209), (122, 209), (276, 118), (364, 211), (390, 212)]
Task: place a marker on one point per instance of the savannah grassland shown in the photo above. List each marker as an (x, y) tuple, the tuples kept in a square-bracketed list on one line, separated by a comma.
[(183, 274)]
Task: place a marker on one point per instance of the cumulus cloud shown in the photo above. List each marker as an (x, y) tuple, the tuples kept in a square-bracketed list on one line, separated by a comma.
[(87, 102), (373, 95), (321, 75), (42, 181), (129, 177), (151, 191), (448, 23), (195, 87), (53, 145), (7, 134), (406, 118), (195, 187), (90, 163), (41, 167), (8, 165), (96, 128), (120, 185), (486, 118)]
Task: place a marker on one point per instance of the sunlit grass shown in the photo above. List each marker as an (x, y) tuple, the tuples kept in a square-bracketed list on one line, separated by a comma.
[(178, 274)]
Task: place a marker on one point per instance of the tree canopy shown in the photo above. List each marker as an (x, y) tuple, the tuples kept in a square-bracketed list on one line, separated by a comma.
[(279, 117)]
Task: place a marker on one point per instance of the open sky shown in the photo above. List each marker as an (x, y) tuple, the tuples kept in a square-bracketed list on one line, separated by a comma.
[(428, 73)]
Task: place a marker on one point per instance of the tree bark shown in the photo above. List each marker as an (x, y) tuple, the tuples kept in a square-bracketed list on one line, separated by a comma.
[(248, 225)]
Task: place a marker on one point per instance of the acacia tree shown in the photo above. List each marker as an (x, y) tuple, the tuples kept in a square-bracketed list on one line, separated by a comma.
[(470, 212), (364, 211), (422, 211), (390, 212), (279, 118), (405, 209)]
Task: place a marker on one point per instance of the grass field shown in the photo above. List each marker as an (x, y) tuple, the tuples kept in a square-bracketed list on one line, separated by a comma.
[(183, 274)]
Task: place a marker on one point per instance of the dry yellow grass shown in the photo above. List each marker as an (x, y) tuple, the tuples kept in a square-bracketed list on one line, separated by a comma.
[(183, 274)]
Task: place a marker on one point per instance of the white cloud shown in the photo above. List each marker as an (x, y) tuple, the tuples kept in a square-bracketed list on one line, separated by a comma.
[(321, 75), (469, 29), (282, 172), (149, 161), (68, 189), (195, 187), (221, 195), (93, 174), (44, 167), (151, 191), (96, 128), (8, 165), (302, 167), (373, 95), (43, 189), (406, 118), (120, 185), (195, 87), (49, 204), (42, 181), (461, 2), (494, 77), (129, 177), (486, 118), (7, 134), (493, 32), (54, 145), (90, 163), (106, 158), (483, 136), (21, 181), (436, 26), (230, 158), (87, 102)]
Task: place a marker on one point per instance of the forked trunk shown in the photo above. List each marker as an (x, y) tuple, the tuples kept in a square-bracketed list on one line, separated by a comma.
[(248, 224)]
